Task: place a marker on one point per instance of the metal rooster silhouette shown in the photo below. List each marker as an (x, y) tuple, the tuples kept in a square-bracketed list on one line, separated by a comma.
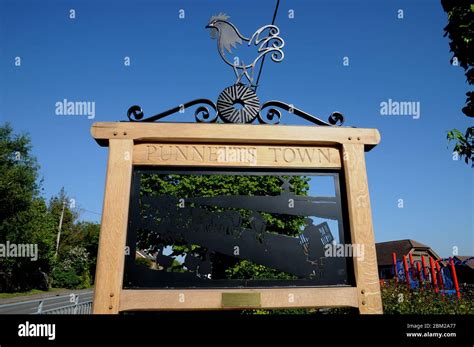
[(228, 37), (239, 103)]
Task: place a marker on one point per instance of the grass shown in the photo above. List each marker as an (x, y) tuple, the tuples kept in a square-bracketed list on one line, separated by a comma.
[(29, 292)]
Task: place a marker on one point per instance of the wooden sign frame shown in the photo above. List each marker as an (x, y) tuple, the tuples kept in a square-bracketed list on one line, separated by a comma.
[(276, 147)]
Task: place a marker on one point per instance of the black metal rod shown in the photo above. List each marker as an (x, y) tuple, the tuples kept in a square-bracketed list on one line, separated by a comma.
[(263, 59), (172, 110), (294, 110)]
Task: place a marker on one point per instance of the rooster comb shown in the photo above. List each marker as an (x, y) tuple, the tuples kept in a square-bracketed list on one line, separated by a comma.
[(220, 16)]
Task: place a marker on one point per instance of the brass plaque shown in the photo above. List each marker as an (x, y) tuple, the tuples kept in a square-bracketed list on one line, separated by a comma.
[(240, 299)]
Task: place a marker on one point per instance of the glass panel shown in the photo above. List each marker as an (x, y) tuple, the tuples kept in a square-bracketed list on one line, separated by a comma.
[(234, 229)]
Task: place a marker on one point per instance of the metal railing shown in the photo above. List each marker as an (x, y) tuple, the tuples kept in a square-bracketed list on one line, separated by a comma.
[(73, 303)]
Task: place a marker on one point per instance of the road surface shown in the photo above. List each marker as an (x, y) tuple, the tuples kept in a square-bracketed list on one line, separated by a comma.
[(30, 304)]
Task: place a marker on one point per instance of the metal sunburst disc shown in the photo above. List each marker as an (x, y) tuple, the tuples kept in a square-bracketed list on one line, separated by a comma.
[(238, 104)]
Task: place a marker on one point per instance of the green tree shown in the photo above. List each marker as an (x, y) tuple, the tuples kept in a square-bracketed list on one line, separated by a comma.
[(24, 218), (33, 226), (84, 234), (460, 29), (77, 255), (72, 269), (18, 173)]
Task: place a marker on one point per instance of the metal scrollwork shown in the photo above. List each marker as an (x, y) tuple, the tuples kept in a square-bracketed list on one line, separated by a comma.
[(334, 118), (271, 43), (202, 114), (239, 103), (273, 116), (135, 113)]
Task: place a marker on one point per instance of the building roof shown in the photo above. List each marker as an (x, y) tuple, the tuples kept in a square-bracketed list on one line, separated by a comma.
[(400, 247), (468, 263)]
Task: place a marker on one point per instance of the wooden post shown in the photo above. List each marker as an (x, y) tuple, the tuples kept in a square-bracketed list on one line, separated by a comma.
[(360, 217), (111, 255), (127, 147)]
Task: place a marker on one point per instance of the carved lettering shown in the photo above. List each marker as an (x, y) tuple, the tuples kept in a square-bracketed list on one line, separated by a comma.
[(150, 150), (198, 155), (213, 153), (276, 153), (289, 155), (305, 154), (324, 153), (301, 155), (181, 154)]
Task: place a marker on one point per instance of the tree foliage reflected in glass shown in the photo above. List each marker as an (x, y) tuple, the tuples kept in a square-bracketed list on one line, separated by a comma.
[(234, 229)]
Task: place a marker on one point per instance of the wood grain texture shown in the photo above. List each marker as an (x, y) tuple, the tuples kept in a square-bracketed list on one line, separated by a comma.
[(236, 155), (128, 146), (111, 255), (211, 299), (360, 219), (233, 133)]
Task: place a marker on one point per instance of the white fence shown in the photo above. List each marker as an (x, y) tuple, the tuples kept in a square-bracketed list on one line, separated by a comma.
[(74, 303)]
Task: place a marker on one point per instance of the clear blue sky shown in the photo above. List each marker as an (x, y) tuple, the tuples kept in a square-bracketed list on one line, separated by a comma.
[(174, 60)]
